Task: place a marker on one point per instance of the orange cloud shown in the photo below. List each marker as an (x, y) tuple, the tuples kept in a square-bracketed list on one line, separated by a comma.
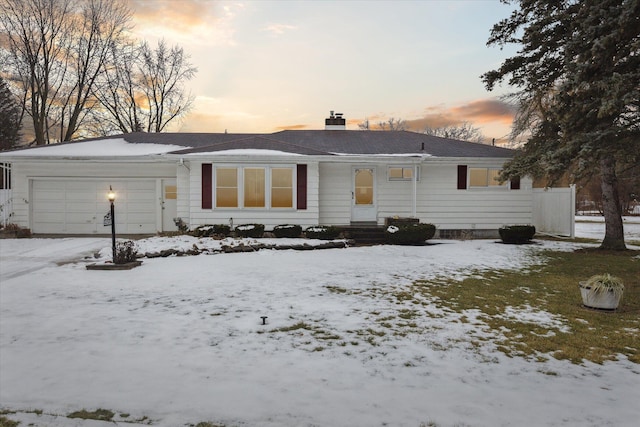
[(180, 16), (292, 127), (480, 112)]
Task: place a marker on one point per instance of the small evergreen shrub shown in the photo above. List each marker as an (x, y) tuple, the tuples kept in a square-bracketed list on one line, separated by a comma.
[(212, 230), (182, 226), (409, 234), (287, 230), (250, 230), (125, 252), (517, 234), (322, 232)]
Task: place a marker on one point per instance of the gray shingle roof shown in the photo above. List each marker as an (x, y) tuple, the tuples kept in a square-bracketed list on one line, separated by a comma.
[(318, 142)]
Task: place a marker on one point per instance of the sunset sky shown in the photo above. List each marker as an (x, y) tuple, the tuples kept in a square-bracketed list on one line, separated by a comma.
[(264, 66)]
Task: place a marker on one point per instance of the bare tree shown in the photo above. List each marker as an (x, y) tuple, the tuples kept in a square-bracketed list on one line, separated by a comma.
[(144, 88), (462, 132), (99, 25), (393, 124), (56, 51), (364, 125)]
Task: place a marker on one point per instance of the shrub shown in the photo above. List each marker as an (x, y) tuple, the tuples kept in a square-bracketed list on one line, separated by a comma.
[(182, 226), (250, 230), (125, 252), (212, 230), (287, 230), (409, 234), (517, 234), (323, 232)]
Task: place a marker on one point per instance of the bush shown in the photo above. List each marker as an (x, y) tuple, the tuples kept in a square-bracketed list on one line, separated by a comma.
[(287, 230), (409, 234), (212, 230), (125, 252), (182, 226), (517, 234), (322, 232), (250, 230)]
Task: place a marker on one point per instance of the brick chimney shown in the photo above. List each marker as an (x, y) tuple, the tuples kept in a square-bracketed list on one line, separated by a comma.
[(335, 122)]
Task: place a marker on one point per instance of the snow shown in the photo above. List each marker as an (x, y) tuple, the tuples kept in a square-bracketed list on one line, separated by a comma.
[(98, 148), (592, 227), (245, 152), (181, 340)]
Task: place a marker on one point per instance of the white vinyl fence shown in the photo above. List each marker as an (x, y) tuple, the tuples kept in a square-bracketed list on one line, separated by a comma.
[(554, 210)]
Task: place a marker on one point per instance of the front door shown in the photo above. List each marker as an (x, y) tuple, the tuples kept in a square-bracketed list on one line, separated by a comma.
[(169, 204), (363, 206)]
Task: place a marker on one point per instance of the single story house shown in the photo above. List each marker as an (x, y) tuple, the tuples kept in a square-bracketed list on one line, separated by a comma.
[(306, 177)]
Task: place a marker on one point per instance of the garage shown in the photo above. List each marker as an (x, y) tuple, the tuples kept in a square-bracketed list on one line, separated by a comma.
[(78, 206)]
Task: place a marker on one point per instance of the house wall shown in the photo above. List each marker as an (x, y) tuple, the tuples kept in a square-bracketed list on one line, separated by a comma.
[(269, 217), (24, 172), (438, 199)]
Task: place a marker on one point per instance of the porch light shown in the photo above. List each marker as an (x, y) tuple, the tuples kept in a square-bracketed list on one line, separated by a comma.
[(111, 196)]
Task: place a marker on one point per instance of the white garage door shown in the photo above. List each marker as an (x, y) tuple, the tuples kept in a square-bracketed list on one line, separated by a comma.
[(79, 206)]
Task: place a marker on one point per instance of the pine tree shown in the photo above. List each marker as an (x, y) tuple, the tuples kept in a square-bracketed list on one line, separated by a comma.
[(9, 118), (578, 72)]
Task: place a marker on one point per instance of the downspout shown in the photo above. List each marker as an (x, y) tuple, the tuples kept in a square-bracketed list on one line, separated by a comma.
[(415, 191)]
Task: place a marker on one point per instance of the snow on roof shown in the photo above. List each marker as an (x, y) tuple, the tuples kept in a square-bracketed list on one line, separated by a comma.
[(245, 152), (387, 154), (95, 148)]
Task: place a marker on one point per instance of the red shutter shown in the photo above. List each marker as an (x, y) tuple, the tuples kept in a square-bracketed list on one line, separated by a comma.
[(462, 177), (207, 181), (515, 183), (301, 188)]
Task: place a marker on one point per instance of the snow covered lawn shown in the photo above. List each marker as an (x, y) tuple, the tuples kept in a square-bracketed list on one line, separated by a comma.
[(180, 340)]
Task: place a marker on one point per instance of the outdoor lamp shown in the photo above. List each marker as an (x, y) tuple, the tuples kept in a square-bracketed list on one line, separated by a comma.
[(111, 196)]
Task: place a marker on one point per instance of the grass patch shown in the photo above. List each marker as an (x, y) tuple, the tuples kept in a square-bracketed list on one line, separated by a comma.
[(507, 299), (6, 422), (98, 414)]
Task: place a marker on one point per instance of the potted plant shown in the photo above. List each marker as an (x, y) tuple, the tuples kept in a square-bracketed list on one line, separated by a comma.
[(602, 291)]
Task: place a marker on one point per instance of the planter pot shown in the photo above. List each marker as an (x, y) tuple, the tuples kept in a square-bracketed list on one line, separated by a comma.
[(600, 300)]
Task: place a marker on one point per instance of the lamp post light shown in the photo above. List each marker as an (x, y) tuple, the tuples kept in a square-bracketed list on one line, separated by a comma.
[(111, 196)]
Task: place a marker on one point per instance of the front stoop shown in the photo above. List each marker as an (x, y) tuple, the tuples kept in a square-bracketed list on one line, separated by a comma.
[(125, 266), (365, 233)]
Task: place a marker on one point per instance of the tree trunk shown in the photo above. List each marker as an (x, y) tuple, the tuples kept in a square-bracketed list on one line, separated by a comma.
[(614, 233)]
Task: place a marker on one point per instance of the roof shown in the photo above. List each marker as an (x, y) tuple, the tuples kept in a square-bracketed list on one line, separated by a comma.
[(302, 142)]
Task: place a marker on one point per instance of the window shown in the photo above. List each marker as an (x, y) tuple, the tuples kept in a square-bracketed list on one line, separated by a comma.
[(281, 188), (170, 192), (484, 177), (254, 191), (401, 174), (260, 187), (226, 187)]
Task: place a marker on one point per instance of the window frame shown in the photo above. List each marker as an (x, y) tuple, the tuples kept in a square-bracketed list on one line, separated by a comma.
[(488, 176), (268, 186), (403, 168)]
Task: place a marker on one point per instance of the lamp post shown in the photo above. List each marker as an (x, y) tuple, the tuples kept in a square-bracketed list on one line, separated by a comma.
[(111, 196)]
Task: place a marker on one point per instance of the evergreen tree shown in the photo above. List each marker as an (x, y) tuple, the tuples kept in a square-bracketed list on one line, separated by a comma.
[(9, 118), (578, 71)]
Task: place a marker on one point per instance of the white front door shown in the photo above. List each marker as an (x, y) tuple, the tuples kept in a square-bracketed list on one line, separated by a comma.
[(169, 204), (363, 196)]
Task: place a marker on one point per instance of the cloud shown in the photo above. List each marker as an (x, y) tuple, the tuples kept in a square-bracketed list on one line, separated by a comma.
[(196, 21), (479, 112), (292, 127), (279, 29)]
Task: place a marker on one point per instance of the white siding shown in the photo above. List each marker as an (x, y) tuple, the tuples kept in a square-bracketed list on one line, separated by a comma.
[(24, 173), (335, 193), (438, 199), (268, 217), (184, 192)]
